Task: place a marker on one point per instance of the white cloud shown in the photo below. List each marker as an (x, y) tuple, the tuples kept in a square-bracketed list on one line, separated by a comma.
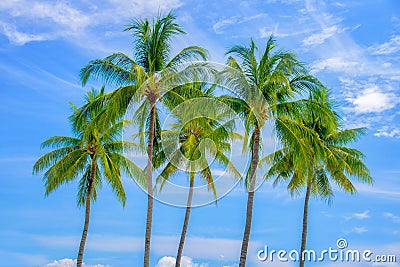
[(319, 38), (55, 19), (62, 263), (27, 259), (387, 64), (370, 85), (373, 100), (390, 47), (59, 12), (359, 230), (360, 216), (337, 64), (371, 103), (287, 2), (388, 131), (19, 38), (202, 247), (222, 24), (17, 159), (391, 216), (386, 192), (168, 261), (131, 9), (70, 263), (72, 20), (95, 242)]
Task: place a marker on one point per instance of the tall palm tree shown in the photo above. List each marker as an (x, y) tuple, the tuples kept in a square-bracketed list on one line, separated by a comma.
[(333, 161), (202, 127), (93, 154), (264, 86), (144, 78)]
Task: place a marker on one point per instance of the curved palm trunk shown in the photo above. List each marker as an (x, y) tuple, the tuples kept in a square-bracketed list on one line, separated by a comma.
[(305, 224), (250, 198), (149, 178), (87, 217), (185, 222)]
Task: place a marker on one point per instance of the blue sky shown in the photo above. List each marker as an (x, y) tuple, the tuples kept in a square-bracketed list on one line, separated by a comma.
[(352, 46)]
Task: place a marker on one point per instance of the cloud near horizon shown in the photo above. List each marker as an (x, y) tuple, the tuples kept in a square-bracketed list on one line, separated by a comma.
[(168, 261), (66, 262)]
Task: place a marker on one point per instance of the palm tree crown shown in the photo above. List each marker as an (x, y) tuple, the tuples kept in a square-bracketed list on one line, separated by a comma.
[(143, 80), (263, 86), (74, 157), (202, 126), (92, 155), (329, 160)]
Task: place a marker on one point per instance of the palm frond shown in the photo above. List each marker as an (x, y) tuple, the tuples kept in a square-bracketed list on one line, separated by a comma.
[(113, 70), (51, 158), (61, 141), (188, 54)]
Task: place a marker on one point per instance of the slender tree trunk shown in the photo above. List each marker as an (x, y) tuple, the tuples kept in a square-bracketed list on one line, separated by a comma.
[(149, 179), (305, 225), (250, 198), (185, 222), (87, 216)]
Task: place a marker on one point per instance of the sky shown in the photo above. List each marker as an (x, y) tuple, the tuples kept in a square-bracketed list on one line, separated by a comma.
[(352, 46)]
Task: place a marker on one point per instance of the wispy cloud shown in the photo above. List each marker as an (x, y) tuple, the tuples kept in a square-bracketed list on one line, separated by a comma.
[(336, 64), (368, 76), (202, 247), (387, 48), (358, 230), (56, 20), (72, 20), (19, 38), (287, 2), (391, 216), (70, 263), (23, 258), (15, 159), (385, 191), (388, 131), (319, 38), (360, 216), (222, 24)]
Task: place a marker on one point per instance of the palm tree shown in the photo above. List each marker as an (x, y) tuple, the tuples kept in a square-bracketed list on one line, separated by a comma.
[(93, 154), (263, 87), (332, 161), (144, 77), (203, 127)]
